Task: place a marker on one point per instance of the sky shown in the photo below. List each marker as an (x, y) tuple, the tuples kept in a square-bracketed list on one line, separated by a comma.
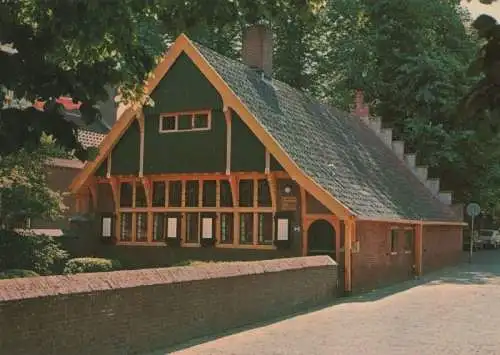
[(476, 8)]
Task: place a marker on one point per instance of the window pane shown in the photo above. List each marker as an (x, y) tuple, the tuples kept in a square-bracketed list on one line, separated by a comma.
[(192, 194), (158, 194), (141, 227), (264, 195), (409, 240), (192, 227), (158, 227), (126, 194), (174, 193), (184, 122), (168, 123), (394, 240), (226, 197), (246, 193), (126, 226), (226, 228), (283, 228), (246, 228), (201, 120), (265, 228), (140, 195), (209, 193)]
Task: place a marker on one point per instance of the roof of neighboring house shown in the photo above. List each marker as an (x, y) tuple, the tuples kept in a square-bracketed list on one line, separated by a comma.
[(333, 152)]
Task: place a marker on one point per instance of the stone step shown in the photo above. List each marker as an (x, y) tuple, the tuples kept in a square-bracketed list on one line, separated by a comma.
[(398, 147), (446, 197), (386, 136), (411, 160), (422, 172), (376, 124), (433, 185)]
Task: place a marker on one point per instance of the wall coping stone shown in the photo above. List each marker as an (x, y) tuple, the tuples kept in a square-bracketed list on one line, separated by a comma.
[(47, 286)]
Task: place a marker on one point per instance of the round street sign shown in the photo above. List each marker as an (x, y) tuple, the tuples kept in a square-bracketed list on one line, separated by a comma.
[(473, 209)]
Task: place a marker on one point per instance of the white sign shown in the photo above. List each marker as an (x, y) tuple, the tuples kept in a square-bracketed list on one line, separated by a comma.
[(206, 230), (473, 209), (172, 227), (106, 227), (283, 229)]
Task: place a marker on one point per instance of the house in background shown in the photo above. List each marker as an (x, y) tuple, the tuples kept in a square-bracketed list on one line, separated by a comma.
[(231, 164)]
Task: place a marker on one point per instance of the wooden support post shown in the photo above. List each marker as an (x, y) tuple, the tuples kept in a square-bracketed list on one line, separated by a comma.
[(134, 219), (419, 233), (350, 225), (108, 167), (227, 116), (115, 188), (273, 190), (255, 214), (268, 162), (303, 213), (93, 194), (148, 190), (234, 182), (140, 120)]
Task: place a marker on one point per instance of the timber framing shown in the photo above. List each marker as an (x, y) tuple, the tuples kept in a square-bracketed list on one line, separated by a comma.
[(231, 101)]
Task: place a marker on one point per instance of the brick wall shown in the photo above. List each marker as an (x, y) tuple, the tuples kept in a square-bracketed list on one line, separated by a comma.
[(144, 310), (375, 266), (442, 246)]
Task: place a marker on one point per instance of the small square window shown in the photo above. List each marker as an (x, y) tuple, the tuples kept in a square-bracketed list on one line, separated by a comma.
[(200, 121), (168, 123)]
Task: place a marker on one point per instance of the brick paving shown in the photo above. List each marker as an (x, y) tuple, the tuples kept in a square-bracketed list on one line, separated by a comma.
[(455, 311)]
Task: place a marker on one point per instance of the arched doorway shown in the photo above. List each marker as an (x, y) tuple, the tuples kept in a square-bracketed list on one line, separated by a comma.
[(321, 238)]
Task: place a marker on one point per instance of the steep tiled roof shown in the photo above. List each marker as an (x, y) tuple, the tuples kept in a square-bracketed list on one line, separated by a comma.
[(332, 147), (90, 139)]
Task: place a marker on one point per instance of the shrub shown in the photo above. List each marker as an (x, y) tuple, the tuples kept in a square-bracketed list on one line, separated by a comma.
[(15, 273), (79, 265), (29, 252)]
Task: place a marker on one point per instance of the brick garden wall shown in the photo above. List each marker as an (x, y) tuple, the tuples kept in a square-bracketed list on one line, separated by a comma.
[(138, 311), (442, 246)]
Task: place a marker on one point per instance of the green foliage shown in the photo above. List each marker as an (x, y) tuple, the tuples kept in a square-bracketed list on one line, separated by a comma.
[(38, 253), (16, 273), (79, 265), (24, 192)]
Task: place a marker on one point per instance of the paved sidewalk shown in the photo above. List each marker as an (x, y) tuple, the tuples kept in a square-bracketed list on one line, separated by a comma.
[(456, 311)]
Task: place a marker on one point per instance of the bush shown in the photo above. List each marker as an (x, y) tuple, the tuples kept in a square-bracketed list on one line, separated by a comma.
[(15, 273), (29, 252), (79, 265)]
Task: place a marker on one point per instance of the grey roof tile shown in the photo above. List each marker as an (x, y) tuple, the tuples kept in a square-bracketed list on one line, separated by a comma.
[(332, 147)]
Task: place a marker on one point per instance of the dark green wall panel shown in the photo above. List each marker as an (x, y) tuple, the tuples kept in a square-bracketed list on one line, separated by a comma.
[(102, 169), (274, 165), (125, 155), (247, 152), (184, 88)]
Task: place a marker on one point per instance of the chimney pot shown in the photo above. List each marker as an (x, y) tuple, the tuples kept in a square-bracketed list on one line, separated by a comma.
[(257, 50)]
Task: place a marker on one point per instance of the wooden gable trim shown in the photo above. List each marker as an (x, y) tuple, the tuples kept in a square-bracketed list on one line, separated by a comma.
[(412, 221), (230, 100)]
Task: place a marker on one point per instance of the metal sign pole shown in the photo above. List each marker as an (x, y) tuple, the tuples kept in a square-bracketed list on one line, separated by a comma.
[(471, 239)]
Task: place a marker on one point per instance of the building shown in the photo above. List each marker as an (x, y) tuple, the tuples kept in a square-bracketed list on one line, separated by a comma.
[(230, 164)]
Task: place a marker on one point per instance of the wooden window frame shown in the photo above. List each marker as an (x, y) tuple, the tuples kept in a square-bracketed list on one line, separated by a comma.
[(393, 241), (193, 115)]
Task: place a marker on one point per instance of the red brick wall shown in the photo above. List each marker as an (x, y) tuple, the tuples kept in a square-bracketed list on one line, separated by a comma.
[(374, 265), (130, 312), (442, 246)]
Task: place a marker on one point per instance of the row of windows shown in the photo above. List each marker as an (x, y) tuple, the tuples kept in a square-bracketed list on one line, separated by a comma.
[(408, 240), (169, 194), (182, 122), (203, 226)]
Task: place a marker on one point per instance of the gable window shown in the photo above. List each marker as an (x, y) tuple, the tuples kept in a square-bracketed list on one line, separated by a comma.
[(394, 241), (185, 121)]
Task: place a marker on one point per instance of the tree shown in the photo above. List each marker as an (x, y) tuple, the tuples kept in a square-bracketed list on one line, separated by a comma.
[(79, 48), (411, 58), (485, 95)]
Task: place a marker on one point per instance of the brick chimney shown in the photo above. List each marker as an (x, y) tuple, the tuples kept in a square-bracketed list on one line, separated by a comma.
[(361, 109), (257, 50)]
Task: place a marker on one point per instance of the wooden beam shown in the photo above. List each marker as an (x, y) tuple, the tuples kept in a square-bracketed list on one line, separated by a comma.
[(140, 120), (108, 167), (227, 116), (273, 190), (235, 189), (255, 221), (303, 212), (115, 189), (268, 162), (350, 225), (419, 233)]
